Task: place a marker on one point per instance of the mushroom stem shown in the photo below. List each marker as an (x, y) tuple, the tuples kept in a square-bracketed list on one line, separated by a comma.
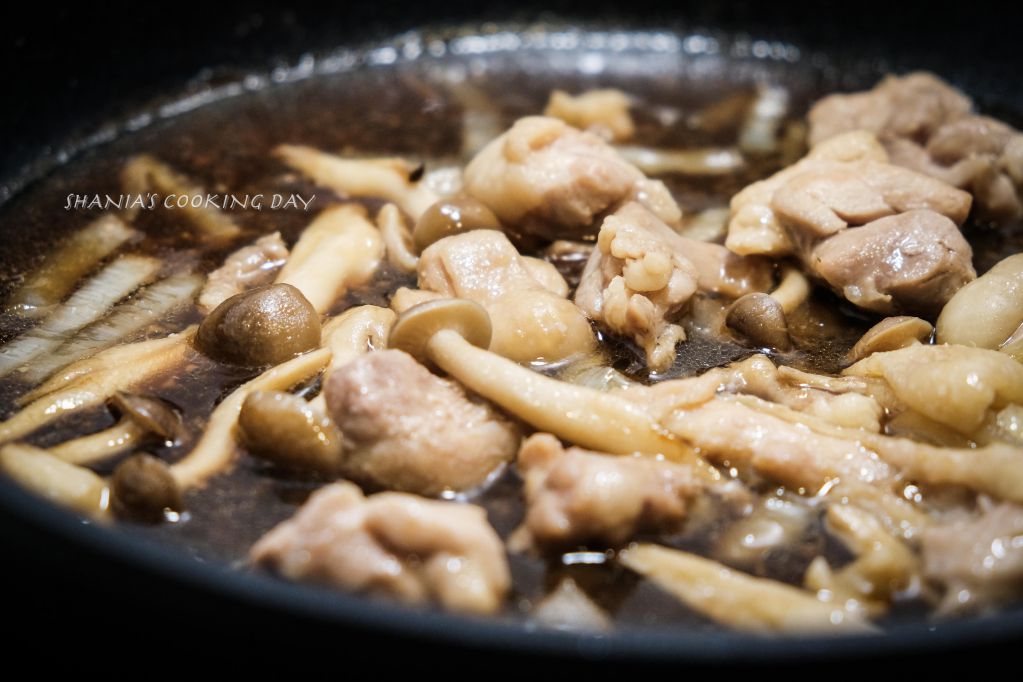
[(55, 479), (792, 290), (579, 415), (216, 449), (397, 238), (102, 445), (339, 249)]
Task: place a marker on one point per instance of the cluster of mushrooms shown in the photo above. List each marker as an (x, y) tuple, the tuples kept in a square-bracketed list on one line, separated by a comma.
[(922, 432)]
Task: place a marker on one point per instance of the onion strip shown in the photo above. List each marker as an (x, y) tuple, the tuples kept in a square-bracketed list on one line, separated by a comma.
[(71, 261), (85, 306), (150, 305)]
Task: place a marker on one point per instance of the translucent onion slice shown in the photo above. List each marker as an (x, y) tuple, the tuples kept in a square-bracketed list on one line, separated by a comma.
[(66, 265), (383, 178), (150, 305), (144, 173), (712, 161), (85, 306)]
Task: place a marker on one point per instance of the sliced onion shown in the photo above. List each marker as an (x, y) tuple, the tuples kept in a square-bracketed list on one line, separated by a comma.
[(85, 306), (150, 305)]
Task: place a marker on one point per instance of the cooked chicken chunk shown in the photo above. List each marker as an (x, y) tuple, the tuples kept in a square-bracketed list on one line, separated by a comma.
[(249, 267), (928, 126), (407, 547), (884, 237), (912, 262), (576, 496), (545, 178), (409, 430), (642, 274), (979, 561), (530, 322)]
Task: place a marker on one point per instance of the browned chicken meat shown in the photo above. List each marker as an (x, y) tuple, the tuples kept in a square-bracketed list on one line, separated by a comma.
[(407, 429), (546, 178), (929, 126), (884, 237), (979, 561), (642, 274), (248, 267), (531, 322), (576, 496), (409, 548)]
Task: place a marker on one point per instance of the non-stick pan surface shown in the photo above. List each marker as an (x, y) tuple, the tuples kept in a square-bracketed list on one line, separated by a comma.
[(73, 71)]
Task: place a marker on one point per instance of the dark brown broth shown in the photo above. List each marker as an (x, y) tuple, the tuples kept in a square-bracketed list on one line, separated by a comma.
[(407, 109)]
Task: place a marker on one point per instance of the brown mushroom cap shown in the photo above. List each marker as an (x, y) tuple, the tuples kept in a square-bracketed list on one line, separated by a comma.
[(760, 318), (452, 216), (284, 429), (152, 414), (260, 327), (415, 327), (891, 333), (142, 487)]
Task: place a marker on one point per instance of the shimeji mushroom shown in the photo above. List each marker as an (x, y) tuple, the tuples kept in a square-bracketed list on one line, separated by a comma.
[(453, 334), (891, 333), (217, 448), (286, 430), (761, 317), (260, 327), (143, 487), (142, 418), (65, 483), (397, 239), (452, 216), (736, 599), (339, 249)]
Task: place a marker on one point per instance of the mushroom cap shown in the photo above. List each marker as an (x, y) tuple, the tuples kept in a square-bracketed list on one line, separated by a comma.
[(284, 429), (260, 327), (415, 327), (452, 216), (154, 415), (761, 319), (143, 486), (891, 333)]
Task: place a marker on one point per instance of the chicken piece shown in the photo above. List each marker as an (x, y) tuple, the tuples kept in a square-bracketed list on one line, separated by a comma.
[(979, 561), (642, 274), (542, 177), (635, 283), (930, 127), (912, 106), (958, 386), (605, 112), (576, 496), (884, 237), (412, 549), (249, 267), (911, 262), (407, 429), (530, 322)]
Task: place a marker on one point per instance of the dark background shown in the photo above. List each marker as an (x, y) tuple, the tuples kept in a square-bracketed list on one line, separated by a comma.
[(66, 69)]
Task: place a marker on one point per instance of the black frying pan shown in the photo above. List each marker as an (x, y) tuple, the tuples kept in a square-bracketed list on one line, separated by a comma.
[(72, 70)]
